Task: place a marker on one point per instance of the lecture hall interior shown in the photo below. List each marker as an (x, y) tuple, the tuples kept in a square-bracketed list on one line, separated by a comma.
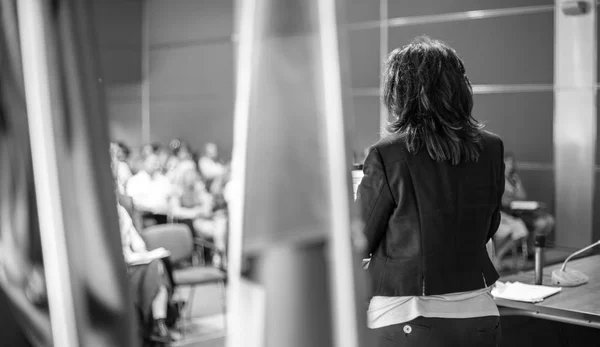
[(185, 172)]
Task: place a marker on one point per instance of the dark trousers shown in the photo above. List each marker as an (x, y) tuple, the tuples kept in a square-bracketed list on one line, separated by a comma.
[(150, 219), (442, 332)]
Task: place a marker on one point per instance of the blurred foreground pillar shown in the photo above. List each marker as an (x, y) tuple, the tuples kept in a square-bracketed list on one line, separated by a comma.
[(89, 297), (575, 78), (290, 217)]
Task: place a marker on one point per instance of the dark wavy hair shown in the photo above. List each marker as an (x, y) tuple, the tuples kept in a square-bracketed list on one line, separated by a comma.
[(428, 94)]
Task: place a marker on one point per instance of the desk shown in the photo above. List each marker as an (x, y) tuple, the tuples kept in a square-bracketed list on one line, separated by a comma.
[(575, 305)]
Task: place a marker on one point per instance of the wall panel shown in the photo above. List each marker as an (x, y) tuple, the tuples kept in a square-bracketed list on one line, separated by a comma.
[(365, 63), (125, 121), (124, 92), (121, 67), (195, 120), (204, 70), (366, 120), (503, 50), (118, 23), (362, 10), (429, 7), (118, 30), (189, 20), (523, 120), (191, 71)]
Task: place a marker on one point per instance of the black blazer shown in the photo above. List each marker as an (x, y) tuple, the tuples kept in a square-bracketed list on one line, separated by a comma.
[(427, 222)]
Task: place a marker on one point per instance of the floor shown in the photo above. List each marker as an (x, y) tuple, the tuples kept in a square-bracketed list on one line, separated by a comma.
[(206, 327)]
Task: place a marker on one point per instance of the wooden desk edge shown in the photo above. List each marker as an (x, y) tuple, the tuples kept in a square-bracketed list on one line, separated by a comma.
[(511, 308)]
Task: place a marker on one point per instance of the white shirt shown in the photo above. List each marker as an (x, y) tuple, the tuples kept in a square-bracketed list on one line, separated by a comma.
[(210, 169), (390, 310), (123, 173), (150, 193)]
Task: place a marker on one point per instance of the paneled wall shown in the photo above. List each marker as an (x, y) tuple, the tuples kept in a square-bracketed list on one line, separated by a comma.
[(188, 71), (118, 26), (508, 49), (191, 71)]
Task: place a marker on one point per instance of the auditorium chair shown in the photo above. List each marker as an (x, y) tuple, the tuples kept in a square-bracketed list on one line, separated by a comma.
[(178, 240)]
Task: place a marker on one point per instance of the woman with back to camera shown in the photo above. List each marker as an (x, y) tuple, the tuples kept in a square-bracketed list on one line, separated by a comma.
[(430, 199)]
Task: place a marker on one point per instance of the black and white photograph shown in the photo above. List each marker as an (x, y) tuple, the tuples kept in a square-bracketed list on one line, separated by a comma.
[(299, 173)]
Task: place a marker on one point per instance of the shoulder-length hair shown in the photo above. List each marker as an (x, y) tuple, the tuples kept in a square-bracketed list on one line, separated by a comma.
[(427, 92)]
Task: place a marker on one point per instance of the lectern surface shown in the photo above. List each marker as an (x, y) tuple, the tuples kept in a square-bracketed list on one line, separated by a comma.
[(575, 305)]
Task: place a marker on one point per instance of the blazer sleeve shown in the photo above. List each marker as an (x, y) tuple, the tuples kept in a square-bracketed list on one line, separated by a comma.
[(374, 200), (500, 183)]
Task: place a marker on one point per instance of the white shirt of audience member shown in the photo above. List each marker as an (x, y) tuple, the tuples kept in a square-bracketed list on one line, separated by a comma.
[(123, 173), (149, 189), (207, 164)]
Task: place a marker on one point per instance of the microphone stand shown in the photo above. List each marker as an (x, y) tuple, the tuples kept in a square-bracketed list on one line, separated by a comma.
[(571, 278)]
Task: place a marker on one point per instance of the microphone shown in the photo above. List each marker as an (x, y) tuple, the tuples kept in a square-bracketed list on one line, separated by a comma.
[(571, 278), (540, 243)]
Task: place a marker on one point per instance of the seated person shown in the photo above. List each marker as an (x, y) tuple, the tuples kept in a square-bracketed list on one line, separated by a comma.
[(119, 160), (151, 190), (510, 231), (166, 160), (210, 166), (150, 283), (539, 222), (184, 162), (193, 205)]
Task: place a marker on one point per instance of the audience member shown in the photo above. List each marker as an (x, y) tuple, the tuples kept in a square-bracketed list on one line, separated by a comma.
[(210, 166), (150, 283), (510, 231), (184, 162), (121, 168), (149, 148), (169, 183), (165, 158), (193, 205), (539, 222), (217, 189), (151, 190)]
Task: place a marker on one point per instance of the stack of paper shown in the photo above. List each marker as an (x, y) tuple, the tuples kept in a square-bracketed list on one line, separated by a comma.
[(147, 257), (525, 205), (357, 176), (523, 292)]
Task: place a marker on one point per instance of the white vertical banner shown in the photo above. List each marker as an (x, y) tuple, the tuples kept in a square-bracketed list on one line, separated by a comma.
[(291, 174), (342, 291), (244, 300), (575, 112), (42, 129)]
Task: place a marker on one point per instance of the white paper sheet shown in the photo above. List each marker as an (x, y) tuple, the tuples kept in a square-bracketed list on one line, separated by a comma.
[(145, 258), (525, 205), (523, 292)]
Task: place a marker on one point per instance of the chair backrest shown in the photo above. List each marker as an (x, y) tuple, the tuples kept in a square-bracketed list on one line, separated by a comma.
[(176, 238)]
